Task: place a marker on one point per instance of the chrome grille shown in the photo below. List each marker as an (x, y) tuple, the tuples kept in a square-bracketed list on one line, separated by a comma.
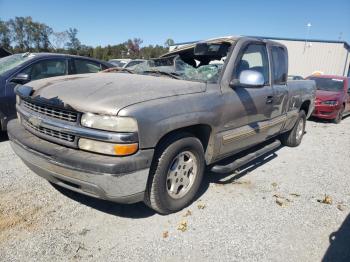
[(49, 132), (52, 111)]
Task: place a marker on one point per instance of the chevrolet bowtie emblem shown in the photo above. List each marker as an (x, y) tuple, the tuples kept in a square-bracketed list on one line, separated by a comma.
[(35, 121)]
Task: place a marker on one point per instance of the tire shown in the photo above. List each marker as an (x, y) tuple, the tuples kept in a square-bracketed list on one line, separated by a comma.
[(293, 137), (164, 193), (339, 117)]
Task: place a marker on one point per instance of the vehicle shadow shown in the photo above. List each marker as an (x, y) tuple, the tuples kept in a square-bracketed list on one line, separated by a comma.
[(3, 136), (339, 248), (325, 121), (135, 211), (222, 179), (140, 210), (319, 120), (347, 116)]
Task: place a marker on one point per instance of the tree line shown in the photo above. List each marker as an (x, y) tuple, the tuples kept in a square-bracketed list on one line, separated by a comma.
[(22, 34)]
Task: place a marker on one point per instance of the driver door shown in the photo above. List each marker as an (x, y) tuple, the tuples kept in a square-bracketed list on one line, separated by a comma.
[(249, 108)]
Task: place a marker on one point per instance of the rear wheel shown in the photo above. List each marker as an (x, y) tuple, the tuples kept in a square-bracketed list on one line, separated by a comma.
[(339, 117), (176, 174), (293, 137)]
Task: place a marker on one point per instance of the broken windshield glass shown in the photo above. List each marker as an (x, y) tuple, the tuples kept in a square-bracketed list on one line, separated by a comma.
[(201, 62), (175, 66)]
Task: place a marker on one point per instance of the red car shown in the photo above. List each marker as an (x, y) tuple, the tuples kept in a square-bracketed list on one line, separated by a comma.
[(332, 97)]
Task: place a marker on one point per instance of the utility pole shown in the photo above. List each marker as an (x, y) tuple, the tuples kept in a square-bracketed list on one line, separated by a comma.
[(340, 37), (308, 29)]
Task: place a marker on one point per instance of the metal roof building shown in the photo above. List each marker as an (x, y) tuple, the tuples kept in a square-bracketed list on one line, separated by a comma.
[(309, 56)]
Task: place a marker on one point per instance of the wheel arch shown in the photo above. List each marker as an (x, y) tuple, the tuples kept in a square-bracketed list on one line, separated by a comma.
[(306, 107), (201, 131)]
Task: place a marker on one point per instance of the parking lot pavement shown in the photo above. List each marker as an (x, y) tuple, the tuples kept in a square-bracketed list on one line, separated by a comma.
[(292, 206)]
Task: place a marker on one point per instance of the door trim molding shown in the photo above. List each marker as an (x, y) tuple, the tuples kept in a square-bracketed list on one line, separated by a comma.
[(248, 130)]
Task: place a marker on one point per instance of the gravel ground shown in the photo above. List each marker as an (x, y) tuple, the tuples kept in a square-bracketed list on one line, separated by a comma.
[(270, 211)]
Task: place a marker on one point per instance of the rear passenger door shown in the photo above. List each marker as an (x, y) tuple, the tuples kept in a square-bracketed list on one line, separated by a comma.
[(279, 66)]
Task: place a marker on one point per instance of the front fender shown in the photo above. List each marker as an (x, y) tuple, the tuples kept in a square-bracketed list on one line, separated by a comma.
[(159, 117)]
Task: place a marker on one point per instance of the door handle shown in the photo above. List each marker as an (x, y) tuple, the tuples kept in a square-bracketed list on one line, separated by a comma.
[(269, 100)]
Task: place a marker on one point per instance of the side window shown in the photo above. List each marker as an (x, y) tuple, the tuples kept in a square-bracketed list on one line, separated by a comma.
[(104, 67), (254, 57), (348, 84), (46, 68), (279, 64), (86, 66)]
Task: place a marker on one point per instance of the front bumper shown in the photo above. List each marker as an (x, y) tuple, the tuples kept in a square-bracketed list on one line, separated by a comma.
[(119, 179), (326, 112)]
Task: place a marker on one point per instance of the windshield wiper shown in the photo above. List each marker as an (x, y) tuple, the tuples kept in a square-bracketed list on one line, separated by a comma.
[(173, 75), (118, 69)]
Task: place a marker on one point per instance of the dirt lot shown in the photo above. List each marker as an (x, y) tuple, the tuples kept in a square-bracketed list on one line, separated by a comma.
[(270, 211)]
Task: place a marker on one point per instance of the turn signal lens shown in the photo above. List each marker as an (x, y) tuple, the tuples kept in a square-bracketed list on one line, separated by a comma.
[(107, 148), (125, 149)]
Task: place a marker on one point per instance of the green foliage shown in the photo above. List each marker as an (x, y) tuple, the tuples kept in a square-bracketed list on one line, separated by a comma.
[(73, 44), (5, 35), (22, 34), (169, 42)]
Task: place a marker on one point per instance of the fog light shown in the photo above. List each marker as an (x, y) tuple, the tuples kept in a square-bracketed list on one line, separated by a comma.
[(107, 148)]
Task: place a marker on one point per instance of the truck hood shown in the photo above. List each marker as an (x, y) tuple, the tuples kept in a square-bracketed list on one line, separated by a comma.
[(107, 93), (323, 95)]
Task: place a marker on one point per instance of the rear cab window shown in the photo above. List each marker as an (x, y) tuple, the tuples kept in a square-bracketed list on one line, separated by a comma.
[(279, 65)]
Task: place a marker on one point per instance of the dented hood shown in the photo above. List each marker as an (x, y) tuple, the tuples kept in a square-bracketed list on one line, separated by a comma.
[(107, 93)]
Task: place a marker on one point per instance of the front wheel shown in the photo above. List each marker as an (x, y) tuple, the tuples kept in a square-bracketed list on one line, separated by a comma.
[(293, 137), (176, 174), (339, 117)]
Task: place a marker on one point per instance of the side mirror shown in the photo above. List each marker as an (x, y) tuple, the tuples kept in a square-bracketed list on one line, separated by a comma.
[(249, 78), (21, 79)]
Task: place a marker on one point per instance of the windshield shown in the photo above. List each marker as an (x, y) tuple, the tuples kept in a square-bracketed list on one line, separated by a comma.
[(201, 62), (175, 66), (9, 62), (184, 68), (328, 84)]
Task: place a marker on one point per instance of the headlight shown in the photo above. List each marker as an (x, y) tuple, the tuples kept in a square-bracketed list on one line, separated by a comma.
[(107, 148), (109, 123), (330, 102)]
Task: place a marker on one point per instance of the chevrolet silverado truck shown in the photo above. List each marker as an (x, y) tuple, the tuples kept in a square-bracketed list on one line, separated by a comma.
[(150, 133)]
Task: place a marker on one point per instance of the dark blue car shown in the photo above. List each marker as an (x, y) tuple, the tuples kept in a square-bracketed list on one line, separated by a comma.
[(22, 68)]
